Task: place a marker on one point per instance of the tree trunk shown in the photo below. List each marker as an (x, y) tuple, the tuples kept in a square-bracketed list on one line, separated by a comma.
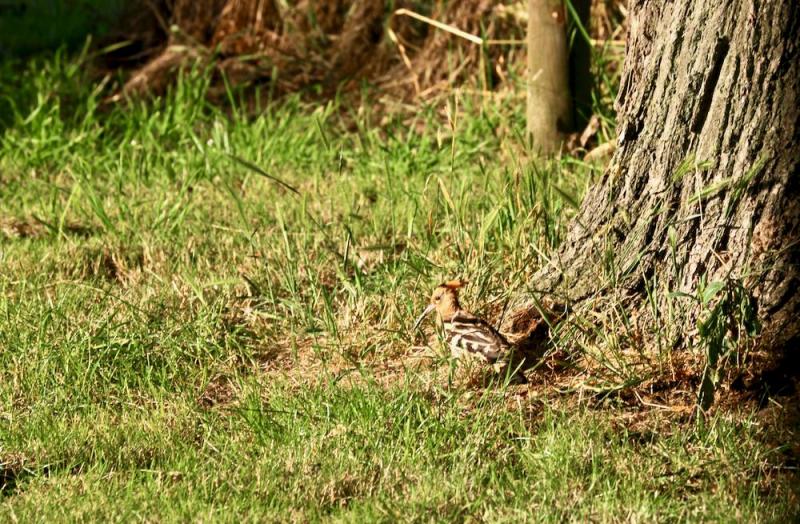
[(549, 103), (704, 184)]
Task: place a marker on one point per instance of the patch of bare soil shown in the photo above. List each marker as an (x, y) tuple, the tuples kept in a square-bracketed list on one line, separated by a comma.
[(219, 391), (12, 228), (117, 264)]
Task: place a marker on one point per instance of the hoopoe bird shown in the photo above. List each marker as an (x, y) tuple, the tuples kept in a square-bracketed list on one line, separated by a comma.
[(468, 335)]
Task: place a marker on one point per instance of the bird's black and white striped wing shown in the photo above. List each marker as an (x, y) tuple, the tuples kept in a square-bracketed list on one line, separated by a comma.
[(467, 333)]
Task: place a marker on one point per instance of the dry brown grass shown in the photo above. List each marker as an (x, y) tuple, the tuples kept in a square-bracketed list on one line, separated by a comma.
[(334, 45)]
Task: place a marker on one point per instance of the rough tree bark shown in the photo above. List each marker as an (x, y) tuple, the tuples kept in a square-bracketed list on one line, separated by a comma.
[(704, 183)]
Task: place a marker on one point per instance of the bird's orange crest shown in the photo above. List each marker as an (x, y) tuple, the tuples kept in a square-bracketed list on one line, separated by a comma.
[(454, 284)]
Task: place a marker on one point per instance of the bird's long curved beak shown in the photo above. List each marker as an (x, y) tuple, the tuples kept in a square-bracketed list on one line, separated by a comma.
[(422, 316)]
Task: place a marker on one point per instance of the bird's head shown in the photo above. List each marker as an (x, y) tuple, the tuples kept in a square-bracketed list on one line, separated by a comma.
[(444, 300)]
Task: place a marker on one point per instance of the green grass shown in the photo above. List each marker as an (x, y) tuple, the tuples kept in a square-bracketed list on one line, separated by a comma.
[(183, 339)]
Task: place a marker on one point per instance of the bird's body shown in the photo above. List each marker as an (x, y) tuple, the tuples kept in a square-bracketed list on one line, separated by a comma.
[(468, 335)]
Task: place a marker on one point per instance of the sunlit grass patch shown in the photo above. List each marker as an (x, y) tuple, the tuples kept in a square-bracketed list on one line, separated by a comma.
[(181, 338)]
